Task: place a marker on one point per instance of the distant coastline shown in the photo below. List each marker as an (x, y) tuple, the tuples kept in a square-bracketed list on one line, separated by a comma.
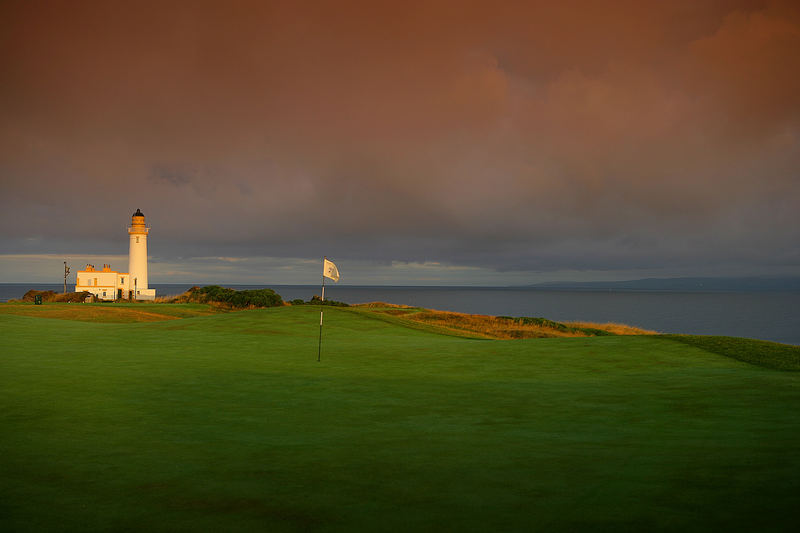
[(700, 284)]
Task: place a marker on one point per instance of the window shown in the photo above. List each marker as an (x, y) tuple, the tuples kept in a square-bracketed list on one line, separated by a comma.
[(137, 239), (95, 282), (122, 280)]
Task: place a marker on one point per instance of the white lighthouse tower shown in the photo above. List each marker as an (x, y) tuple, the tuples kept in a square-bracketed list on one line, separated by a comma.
[(137, 259)]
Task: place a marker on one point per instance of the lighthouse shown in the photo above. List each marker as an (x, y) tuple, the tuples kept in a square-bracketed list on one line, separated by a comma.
[(137, 259), (107, 284)]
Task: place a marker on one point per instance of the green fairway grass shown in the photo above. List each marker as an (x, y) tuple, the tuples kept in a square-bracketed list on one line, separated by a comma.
[(227, 422), (763, 353)]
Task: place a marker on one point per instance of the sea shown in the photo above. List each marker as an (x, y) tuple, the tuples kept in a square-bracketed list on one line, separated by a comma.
[(767, 315)]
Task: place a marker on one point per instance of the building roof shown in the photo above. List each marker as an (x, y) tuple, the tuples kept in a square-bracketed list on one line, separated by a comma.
[(138, 213)]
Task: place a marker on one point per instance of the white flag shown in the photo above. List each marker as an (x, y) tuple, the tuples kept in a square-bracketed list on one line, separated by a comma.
[(330, 271)]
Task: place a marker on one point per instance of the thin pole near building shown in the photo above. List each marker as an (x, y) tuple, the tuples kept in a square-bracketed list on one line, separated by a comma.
[(66, 273)]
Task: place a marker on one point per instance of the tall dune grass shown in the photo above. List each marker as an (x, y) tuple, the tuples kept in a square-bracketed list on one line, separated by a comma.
[(612, 327), (499, 327)]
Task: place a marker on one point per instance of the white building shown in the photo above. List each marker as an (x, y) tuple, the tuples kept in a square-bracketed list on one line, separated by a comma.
[(109, 284), (106, 284)]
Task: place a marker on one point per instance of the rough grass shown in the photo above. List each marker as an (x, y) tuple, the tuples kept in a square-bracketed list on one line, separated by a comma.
[(170, 298), (613, 328), (108, 312), (383, 305), (757, 352), (496, 327), (52, 296), (227, 422), (491, 327)]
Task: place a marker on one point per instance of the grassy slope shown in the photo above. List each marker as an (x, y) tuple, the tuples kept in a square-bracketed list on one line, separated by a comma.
[(758, 352), (228, 422), (486, 326), (108, 312)]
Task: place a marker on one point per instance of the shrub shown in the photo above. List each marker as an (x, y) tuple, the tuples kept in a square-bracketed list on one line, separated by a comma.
[(316, 300), (234, 298), (52, 296)]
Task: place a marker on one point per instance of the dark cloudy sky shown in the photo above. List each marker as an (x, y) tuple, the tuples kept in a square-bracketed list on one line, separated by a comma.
[(429, 142)]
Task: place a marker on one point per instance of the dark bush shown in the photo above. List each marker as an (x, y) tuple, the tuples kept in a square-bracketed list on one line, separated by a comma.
[(52, 296), (316, 300), (234, 298)]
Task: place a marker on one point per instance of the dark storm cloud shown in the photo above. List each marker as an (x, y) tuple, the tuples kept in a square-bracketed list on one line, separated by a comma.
[(175, 175), (578, 135)]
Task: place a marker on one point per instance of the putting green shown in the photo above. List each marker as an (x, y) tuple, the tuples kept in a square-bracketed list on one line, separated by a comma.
[(228, 422)]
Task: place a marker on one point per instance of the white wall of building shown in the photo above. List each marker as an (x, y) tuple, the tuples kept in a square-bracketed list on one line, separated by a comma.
[(105, 283)]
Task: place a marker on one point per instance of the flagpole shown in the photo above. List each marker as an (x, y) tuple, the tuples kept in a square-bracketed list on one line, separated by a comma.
[(321, 310)]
